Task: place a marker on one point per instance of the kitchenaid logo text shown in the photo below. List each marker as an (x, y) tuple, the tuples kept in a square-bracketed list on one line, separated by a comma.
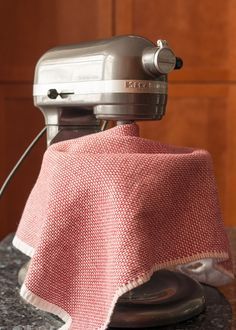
[(142, 84)]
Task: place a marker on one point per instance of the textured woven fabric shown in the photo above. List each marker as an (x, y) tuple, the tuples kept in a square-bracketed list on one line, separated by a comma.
[(108, 210)]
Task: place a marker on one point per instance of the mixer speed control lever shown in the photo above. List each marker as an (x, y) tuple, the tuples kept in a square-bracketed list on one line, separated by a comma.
[(53, 94)]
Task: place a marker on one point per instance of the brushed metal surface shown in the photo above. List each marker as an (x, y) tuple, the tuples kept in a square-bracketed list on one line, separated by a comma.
[(121, 78)]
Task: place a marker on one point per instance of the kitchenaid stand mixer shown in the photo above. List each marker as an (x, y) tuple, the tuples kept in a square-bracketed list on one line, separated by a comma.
[(122, 79)]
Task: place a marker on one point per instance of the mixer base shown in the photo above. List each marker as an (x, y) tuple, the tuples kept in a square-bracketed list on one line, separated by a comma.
[(169, 297)]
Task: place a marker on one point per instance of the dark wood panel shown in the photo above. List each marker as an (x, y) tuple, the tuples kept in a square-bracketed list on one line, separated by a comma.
[(31, 27), (199, 31)]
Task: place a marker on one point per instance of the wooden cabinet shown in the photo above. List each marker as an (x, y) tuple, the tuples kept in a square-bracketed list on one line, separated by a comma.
[(202, 96), (202, 32)]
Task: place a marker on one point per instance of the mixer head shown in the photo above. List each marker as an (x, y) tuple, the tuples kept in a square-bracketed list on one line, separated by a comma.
[(123, 79)]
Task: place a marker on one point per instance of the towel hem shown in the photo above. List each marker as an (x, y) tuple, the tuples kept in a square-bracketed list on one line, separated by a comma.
[(39, 302), (46, 306), (23, 247)]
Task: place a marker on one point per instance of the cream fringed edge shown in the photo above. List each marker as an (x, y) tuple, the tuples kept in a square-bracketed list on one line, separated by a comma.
[(46, 306), (54, 309), (23, 247)]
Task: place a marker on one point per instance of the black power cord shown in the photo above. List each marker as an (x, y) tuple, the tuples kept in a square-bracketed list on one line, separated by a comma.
[(26, 152)]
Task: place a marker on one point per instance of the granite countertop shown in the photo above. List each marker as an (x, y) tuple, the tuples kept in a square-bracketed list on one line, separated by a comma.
[(15, 314)]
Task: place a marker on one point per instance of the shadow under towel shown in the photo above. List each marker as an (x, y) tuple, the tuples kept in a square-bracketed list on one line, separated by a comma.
[(108, 210)]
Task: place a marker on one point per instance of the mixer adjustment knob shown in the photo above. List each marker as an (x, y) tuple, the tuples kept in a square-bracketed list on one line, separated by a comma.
[(164, 58), (159, 60)]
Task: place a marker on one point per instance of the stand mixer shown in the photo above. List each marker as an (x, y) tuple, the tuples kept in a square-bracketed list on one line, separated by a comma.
[(122, 79)]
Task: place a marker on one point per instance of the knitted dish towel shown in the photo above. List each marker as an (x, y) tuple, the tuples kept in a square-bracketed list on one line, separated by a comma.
[(109, 209)]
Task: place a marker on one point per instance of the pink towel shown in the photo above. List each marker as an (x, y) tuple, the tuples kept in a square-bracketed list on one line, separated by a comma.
[(107, 211)]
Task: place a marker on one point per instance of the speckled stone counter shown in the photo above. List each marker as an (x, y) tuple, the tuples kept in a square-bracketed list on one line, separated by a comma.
[(15, 314)]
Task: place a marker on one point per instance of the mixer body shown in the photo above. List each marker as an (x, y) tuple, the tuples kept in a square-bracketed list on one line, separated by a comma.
[(121, 79)]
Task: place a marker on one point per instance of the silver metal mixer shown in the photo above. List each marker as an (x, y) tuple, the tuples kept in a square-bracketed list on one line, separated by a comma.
[(121, 79), (79, 89)]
